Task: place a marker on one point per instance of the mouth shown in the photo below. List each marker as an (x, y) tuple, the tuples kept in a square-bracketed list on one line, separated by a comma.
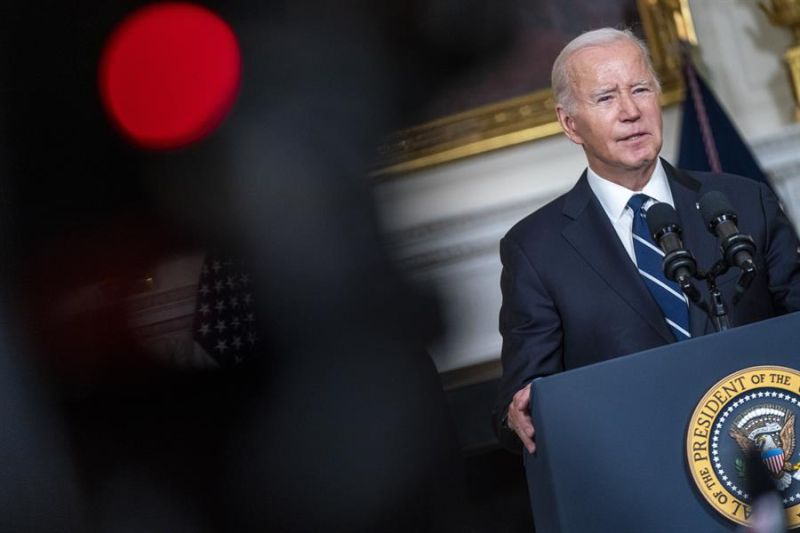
[(633, 137)]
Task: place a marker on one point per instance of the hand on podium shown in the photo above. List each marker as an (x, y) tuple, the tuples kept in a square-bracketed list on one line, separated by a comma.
[(519, 418)]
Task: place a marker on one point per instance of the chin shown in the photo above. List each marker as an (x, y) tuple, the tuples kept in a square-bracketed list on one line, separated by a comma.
[(644, 161)]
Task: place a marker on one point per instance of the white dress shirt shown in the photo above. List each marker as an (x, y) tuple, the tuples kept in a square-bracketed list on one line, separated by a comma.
[(614, 199)]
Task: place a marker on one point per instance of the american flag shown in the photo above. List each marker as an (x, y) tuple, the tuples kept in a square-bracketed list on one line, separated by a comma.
[(225, 321)]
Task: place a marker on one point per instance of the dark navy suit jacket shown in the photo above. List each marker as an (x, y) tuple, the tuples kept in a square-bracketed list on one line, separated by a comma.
[(572, 296)]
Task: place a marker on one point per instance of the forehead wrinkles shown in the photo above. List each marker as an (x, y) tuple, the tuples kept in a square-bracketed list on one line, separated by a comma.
[(599, 66)]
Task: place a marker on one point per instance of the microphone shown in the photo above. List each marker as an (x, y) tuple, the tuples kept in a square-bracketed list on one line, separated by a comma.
[(737, 248), (720, 219), (679, 264)]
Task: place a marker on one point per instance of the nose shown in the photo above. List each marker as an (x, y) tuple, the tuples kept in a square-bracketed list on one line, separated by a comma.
[(629, 110)]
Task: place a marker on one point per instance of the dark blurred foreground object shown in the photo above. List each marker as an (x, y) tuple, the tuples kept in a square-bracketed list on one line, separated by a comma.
[(339, 422), (40, 485), (767, 514)]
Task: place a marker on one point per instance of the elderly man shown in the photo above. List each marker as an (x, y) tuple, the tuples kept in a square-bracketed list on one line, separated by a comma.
[(575, 290)]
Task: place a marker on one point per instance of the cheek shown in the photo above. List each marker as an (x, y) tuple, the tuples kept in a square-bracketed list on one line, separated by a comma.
[(602, 132), (654, 112)]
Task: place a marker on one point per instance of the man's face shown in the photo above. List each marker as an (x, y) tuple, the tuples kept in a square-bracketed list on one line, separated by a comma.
[(617, 116)]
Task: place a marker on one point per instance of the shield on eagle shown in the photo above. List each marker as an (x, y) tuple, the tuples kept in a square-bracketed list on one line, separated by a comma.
[(773, 459)]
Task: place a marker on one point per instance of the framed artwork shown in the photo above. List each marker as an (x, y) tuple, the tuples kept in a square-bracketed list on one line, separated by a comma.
[(510, 102)]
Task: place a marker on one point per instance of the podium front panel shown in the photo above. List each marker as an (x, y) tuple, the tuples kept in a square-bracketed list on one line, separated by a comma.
[(612, 437)]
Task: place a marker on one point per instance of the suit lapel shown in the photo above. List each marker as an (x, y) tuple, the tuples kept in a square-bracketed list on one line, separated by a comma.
[(591, 234), (686, 192)]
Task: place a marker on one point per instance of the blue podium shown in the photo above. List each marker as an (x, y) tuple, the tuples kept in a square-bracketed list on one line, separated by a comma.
[(656, 441)]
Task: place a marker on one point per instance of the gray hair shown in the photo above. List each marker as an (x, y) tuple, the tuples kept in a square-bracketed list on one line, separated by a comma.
[(561, 81)]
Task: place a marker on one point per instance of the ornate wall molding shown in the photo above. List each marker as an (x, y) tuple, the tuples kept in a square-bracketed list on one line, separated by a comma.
[(779, 156), (459, 255), (442, 243), (532, 116)]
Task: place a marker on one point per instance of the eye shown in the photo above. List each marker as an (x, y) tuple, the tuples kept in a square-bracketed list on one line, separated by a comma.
[(604, 98), (641, 90)]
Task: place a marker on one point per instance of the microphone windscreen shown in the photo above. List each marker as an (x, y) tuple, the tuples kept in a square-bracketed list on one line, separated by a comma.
[(714, 204), (661, 215)]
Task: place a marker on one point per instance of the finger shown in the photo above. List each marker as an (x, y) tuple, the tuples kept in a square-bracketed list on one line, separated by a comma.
[(526, 426), (522, 425), (522, 399), (528, 443)]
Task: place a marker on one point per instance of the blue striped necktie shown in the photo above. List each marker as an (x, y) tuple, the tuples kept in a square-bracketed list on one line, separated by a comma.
[(649, 257)]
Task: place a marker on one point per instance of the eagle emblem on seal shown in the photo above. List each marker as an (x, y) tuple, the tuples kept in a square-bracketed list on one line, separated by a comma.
[(768, 430)]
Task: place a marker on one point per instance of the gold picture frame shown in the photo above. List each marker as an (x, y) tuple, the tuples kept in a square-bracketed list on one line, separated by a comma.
[(666, 23)]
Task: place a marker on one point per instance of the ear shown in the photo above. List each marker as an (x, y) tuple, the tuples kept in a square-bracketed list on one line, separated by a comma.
[(567, 122)]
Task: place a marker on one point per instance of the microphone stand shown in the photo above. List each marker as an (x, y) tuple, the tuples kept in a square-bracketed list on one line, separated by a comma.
[(717, 310), (748, 273)]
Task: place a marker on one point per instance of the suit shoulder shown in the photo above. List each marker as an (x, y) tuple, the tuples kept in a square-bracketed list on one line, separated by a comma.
[(542, 222), (733, 183)]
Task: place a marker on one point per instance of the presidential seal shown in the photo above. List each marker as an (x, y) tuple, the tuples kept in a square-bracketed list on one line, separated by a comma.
[(749, 413)]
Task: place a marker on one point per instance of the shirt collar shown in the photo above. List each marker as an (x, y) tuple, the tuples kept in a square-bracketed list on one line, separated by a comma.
[(614, 198)]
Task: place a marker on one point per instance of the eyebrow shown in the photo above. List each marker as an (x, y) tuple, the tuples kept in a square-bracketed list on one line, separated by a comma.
[(604, 90), (613, 88)]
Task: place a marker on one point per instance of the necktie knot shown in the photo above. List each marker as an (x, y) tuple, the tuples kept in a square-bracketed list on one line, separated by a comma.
[(637, 201)]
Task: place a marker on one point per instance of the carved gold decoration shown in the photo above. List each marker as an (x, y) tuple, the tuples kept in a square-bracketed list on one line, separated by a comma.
[(787, 13), (532, 116)]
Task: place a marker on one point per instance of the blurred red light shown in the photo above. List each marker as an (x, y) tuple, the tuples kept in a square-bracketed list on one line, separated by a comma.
[(169, 74)]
